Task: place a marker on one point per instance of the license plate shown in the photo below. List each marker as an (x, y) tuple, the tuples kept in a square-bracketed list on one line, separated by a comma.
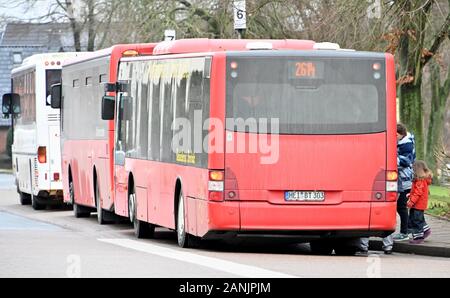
[(304, 196)]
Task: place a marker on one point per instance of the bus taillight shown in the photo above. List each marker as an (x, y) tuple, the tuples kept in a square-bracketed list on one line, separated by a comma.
[(216, 185), (216, 176), (391, 176), (391, 184), (42, 154)]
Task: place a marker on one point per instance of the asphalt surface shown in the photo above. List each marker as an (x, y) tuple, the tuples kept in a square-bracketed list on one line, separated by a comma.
[(52, 243)]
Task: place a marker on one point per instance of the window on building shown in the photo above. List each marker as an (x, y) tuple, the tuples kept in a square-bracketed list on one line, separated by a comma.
[(17, 58)]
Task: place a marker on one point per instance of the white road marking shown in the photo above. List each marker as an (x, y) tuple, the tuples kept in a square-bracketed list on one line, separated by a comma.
[(188, 257)]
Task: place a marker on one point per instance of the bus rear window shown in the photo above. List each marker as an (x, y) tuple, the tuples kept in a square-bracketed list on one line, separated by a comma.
[(52, 77), (307, 95)]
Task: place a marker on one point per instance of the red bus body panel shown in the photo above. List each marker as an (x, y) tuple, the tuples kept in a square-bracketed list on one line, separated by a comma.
[(84, 157)]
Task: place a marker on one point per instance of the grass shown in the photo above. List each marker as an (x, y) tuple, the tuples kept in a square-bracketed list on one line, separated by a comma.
[(439, 204)]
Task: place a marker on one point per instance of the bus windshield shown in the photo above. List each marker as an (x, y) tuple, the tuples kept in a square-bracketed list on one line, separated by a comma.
[(307, 95)]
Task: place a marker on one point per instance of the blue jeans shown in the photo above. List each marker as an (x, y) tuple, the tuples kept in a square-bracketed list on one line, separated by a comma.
[(418, 224)]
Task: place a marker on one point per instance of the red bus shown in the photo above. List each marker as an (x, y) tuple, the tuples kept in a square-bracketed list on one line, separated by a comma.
[(87, 140), (324, 120)]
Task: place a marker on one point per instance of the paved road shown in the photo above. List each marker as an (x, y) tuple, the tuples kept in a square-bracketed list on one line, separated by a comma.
[(53, 243), (6, 181)]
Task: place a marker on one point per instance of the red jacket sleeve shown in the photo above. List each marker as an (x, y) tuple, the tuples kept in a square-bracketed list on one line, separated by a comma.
[(417, 192)]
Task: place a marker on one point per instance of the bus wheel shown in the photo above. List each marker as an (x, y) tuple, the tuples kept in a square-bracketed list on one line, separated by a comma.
[(35, 204), (78, 211), (142, 230), (321, 247), (71, 193), (103, 217), (185, 240), (25, 199)]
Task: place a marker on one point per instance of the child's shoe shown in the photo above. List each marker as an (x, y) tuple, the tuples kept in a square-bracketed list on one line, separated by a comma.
[(427, 234)]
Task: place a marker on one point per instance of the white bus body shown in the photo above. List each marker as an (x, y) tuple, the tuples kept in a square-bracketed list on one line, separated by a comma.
[(36, 150)]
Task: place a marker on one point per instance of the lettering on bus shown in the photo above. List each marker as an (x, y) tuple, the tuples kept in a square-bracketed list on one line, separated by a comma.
[(305, 70)]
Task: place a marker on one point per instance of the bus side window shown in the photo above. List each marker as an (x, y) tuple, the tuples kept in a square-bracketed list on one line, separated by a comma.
[(142, 126), (155, 120), (196, 111), (167, 114), (120, 124)]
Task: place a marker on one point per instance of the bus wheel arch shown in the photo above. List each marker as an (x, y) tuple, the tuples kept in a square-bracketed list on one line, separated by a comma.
[(71, 186), (95, 186), (103, 216), (176, 199)]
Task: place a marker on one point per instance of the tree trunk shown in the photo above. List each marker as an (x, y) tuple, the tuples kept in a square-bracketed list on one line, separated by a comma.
[(74, 24), (91, 26), (435, 128), (76, 35), (411, 113)]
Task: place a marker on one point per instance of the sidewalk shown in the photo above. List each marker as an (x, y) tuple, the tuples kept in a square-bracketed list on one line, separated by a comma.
[(438, 245)]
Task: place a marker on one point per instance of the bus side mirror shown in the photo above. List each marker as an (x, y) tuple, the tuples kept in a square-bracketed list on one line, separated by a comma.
[(56, 96), (110, 87), (11, 104), (108, 107)]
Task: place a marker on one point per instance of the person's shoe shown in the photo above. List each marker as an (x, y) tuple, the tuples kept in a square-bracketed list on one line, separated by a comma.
[(362, 252), (427, 234), (401, 237), (417, 241), (388, 252)]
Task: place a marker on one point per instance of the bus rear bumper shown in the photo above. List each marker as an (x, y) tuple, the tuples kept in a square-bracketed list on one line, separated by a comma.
[(351, 219), (52, 197)]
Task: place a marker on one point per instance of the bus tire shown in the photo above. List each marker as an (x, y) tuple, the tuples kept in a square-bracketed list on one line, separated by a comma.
[(25, 199), (321, 247), (35, 204), (142, 230), (185, 240), (80, 211), (103, 217)]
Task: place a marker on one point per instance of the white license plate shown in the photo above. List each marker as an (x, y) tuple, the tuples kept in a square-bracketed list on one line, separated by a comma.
[(304, 196)]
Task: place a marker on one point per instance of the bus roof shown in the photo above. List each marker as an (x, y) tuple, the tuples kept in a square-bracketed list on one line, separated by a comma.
[(203, 45), (48, 60), (117, 50)]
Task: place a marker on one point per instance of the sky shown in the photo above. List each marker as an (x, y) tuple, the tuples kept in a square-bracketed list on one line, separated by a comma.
[(17, 9)]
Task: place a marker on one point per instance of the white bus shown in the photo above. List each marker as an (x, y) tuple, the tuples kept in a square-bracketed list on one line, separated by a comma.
[(36, 150)]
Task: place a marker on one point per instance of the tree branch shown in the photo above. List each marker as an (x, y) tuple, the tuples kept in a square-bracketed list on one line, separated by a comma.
[(438, 39)]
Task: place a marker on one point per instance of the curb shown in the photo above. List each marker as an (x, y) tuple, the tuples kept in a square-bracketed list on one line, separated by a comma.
[(422, 250)]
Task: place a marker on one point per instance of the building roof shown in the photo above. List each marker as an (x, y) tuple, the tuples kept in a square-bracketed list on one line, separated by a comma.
[(22, 40), (51, 35)]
